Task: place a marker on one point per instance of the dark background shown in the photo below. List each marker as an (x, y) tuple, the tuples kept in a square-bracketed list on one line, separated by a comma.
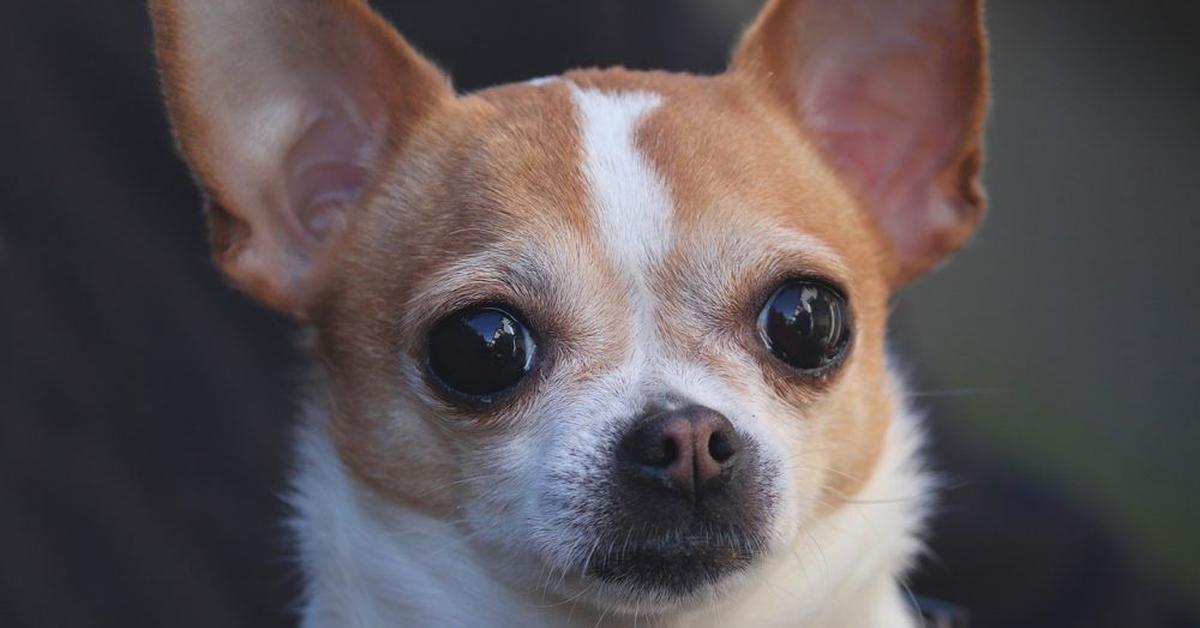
[(144, 406)]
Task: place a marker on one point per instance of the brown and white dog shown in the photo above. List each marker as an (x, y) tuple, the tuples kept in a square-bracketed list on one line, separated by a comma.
[(598, 349)]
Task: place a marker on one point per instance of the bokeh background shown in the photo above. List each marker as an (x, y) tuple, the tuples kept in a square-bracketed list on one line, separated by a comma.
[(144, 406)]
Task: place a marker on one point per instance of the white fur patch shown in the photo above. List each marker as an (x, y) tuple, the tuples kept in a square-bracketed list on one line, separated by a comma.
[(631, 203)]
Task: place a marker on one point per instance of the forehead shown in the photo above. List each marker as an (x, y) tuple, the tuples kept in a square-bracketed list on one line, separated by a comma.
[(644, 149), (604, 177)]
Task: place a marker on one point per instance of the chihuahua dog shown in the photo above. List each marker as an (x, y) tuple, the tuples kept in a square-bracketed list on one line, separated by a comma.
[(606, 348)]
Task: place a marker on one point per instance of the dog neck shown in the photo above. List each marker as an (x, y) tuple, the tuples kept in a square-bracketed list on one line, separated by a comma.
[(369, 563)]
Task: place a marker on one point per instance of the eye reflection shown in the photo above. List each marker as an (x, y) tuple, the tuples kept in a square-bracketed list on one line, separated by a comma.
[(495, 330)]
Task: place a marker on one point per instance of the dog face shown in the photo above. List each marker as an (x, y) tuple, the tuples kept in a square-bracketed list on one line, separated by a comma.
[(625, 329)]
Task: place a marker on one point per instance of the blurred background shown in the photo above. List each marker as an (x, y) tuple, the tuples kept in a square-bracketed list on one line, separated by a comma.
[(144, 406)]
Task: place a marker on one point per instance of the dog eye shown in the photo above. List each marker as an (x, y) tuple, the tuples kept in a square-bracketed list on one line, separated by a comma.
[(480, 351), (805, 324)]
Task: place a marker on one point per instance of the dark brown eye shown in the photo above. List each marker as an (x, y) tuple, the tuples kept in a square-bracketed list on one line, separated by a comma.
[(480, 352), (806, 325)]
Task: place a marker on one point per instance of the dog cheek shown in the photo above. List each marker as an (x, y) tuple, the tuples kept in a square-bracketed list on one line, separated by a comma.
[(569, 502), (569, 492), (501, 480), (789, 459)]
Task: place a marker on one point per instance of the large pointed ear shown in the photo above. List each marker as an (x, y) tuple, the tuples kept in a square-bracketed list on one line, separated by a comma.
[(284, 109), (894, 93)]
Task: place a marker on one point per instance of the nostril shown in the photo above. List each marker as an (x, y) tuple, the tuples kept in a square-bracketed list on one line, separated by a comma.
[(669, 453), (720, 446), (652, 446), (686, 448)]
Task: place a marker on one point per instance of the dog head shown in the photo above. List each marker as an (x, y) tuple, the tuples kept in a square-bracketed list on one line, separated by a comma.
[(626, 329)]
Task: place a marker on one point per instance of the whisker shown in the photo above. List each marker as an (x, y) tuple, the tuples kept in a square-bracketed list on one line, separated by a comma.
[(451, 484), (953, 392), (912, 599), (600, 620)]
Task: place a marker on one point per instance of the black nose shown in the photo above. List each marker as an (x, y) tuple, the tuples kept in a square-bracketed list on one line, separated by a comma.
[(689, 503), (691, 451)]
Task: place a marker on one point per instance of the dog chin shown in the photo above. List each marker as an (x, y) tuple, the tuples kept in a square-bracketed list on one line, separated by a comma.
[(669, 574)]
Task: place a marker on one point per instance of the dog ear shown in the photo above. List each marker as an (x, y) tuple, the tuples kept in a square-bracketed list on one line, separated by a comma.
[(283, 109), (894, 94)]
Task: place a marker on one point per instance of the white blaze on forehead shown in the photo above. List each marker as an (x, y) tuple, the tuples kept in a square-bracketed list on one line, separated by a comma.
[(631, 204)]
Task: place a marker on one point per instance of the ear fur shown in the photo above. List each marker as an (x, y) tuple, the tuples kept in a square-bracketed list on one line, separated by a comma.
[(894, 94), (284, 109)]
